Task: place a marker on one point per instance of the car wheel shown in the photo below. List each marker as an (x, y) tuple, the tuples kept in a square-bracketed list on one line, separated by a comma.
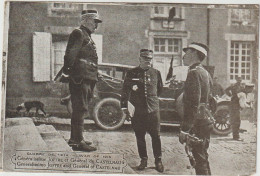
[(108, 114), (222, 125)]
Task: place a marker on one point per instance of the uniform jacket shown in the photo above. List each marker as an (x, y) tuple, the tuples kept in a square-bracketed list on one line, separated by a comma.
[(142, 88), (80, 60), (196, 90)]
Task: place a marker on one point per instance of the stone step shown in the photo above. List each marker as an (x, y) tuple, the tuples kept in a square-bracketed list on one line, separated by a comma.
[(53, 139), (20, 134)]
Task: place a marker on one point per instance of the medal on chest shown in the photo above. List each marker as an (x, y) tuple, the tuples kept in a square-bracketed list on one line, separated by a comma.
[(135, 87)]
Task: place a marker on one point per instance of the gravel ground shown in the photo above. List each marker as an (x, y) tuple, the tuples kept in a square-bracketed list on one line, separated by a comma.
[(227, 157)]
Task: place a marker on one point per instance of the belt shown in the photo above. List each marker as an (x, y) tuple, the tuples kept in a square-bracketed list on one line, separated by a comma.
[(89, 63)]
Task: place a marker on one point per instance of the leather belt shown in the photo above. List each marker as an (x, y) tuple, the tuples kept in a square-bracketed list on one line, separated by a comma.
[(89, 63)]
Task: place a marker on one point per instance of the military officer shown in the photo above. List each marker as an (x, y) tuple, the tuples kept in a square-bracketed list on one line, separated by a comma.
[(142, 86), (196, 92), (80, 66), (232, 91)]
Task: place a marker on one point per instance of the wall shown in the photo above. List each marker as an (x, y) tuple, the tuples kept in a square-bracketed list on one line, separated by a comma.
[(123, 31), (123, 36)]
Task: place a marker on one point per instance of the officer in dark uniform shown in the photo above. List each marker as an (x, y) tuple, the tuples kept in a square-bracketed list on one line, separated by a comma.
[(142, 86), (232, 91), (80, 66), (196, 93)]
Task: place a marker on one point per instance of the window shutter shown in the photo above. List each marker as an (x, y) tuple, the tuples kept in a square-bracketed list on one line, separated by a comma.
[(98, 39), (41, 56)]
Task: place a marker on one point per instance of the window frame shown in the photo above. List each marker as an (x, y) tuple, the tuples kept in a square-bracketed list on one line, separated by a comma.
[(167, 45), (240, 21), (166, 10), (240, 61), (73, 11)]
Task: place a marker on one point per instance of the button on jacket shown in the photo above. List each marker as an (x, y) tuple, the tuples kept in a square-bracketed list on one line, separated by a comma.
[(142, 88), (80, 60)]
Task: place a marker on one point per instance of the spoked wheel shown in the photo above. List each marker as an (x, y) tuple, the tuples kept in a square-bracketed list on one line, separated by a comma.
[(108, 114), (222, 125)]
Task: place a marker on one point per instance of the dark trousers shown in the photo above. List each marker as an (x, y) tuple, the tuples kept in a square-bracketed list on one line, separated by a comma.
[(147, 123), (235, 118), (199, 151), (81, 94)]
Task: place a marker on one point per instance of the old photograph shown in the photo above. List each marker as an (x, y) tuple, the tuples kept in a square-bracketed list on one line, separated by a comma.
[(130, 88)]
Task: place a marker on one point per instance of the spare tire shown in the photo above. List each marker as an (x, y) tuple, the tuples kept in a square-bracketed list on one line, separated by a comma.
[(108, 114), (222, 124)]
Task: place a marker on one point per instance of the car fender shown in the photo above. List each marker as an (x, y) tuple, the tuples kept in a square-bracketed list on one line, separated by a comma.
[(102, 95)]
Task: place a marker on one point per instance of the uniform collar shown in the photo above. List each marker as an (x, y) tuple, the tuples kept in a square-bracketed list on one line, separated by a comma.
[(195, 65), (144, 69), (85, 29)]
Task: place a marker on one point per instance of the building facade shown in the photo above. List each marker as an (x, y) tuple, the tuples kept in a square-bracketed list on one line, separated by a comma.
[(38, 33)]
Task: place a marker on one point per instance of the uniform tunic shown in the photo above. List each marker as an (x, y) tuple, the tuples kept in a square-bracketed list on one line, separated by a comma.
[(196, 90)]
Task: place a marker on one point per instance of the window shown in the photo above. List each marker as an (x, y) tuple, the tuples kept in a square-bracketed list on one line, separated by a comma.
[(240, 60), (164, 45), (58, 54), (160, 10), (241, 16), (58, 9), (163, 11)]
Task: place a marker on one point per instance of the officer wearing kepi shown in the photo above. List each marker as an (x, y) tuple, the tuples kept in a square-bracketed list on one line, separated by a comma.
[(142, 86), (80, 67), (195, 98)]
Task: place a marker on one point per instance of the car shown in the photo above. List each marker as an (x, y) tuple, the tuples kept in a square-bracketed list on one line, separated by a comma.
[(105, 108)]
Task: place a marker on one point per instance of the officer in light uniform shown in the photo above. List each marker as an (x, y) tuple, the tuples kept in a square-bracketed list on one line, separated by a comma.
[(196, 93), (80, 66), (142, 86)]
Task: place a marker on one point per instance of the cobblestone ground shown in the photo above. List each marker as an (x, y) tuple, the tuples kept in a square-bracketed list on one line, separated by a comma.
[(227, 157)]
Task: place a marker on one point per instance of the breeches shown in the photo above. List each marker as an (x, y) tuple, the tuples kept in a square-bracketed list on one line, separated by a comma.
[(147, 123), (199, 151), (235, 118), (81, 95)]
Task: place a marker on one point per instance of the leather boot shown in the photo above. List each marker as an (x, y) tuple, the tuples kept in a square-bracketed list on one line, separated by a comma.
[(237, 139), (158, 165), (142, 165), (82, 146), (71, 142)]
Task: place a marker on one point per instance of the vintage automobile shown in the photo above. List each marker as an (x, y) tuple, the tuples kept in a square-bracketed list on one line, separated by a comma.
[(105, 107)]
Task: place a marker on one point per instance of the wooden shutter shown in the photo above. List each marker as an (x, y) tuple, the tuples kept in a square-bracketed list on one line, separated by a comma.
[(41, 56), (98, 39)]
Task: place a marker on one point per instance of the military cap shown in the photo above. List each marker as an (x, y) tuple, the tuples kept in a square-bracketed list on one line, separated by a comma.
[(90, 14), (199, 47), (146, 53)]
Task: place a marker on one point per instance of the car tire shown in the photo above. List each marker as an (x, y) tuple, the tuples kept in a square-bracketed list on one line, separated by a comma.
[(222, 124), (108, 114)]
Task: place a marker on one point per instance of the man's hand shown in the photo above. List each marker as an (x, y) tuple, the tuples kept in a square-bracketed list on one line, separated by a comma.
[(182, 137), (128, 117)]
